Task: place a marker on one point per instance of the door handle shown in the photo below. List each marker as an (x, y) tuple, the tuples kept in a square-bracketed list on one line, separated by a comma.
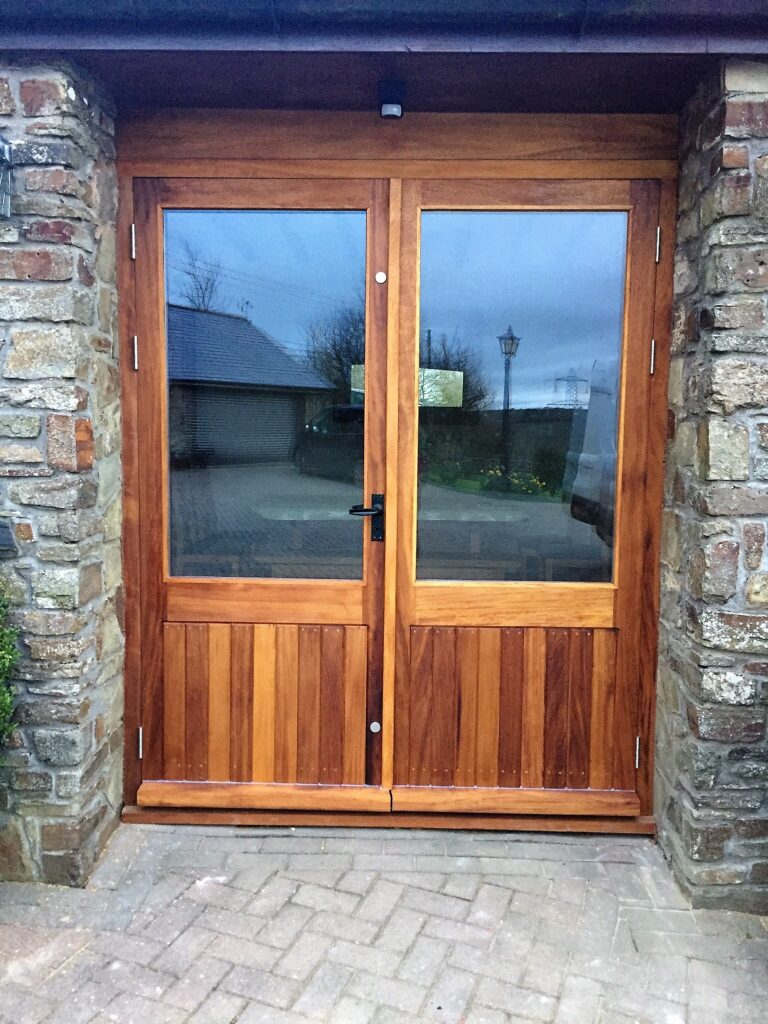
[(375, 513)]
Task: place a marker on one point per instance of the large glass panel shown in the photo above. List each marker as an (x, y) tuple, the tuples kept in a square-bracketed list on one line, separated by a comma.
[(520, 341), (265, 332)]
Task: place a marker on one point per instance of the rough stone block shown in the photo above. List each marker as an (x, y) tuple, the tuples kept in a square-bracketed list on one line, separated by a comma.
[(727, 724), (58, 303), (724, 687), (60, 747), (7, 103), (18, 425), (59, 493), (46, 352), (724, 449), (732, 631), (746, 76), (714, 571), (753, 544), (43, 97), (746, 314), (738, 384)]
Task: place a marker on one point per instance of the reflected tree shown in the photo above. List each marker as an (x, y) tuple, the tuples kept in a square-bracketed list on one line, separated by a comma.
[(452, 354), (335, 344), (202, 282)]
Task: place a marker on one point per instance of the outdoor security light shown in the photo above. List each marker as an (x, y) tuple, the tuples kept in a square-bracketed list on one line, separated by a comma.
[(391, 97)]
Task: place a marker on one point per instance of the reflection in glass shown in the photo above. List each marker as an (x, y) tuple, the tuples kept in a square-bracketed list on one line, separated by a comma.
[(265, 323), (520, 342)]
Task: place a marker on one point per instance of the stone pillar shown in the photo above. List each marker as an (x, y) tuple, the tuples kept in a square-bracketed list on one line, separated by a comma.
[(712, 755), (60, 784)]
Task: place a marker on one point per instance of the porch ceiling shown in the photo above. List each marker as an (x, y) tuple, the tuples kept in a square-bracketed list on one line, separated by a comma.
[(628, 83)]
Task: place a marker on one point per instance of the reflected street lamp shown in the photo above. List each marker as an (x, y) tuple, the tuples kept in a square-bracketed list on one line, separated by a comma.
[(508, 344)]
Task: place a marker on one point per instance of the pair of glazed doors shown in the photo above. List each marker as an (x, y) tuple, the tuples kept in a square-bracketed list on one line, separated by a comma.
[(394, 452)]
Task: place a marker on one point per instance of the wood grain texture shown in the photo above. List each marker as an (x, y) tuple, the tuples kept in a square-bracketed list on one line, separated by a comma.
[(640, 825), (509, 708), (515, 801), (325, 135), (254, 794), (265, 703)]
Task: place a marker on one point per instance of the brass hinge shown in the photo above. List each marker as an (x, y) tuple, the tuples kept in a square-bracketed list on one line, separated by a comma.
[(658, 244), (637, 752), (141, 742), (133, 241)]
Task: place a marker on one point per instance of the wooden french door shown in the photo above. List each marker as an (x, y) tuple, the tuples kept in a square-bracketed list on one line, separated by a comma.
[(261, 404), (467, 358), (522, 517)]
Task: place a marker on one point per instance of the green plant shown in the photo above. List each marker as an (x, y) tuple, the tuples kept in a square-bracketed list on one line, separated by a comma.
[(9, 655)]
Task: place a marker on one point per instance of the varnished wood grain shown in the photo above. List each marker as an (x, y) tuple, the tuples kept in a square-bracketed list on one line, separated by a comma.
[(209, 599), (488, 678), (241, 703), (512, 680), (586, 169), (286, 703), (255, 794), (308, 762), (601, 739), (422, 707), (325, 135), (580, 684), (263, 729), (174, 701), (219, 701), (556, 714), (355, 722), (467, 662), (640, 825), (331, 717), (515, 801), (534, 691), (196, 713), (520, 604), (443, 722)]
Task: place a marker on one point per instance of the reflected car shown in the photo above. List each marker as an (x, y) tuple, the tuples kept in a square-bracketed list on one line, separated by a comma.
[(332, 444), (589, 482)]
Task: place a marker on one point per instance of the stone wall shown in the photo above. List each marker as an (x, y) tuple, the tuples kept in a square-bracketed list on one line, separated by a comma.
[(60, 782), (712, 755)]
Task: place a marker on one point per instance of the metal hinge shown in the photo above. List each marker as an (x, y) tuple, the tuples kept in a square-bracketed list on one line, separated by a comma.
[(652, 367), (135, 352), (133, 241), (141, 742), (658, 244), (637, 752)]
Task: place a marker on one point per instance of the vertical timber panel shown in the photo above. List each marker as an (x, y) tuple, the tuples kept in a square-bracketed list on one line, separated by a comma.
[(488, 675), (601, 739), (467, 648), (308, 758), (331, 721), (534, 692), (355, 721), (286, 702), (579, 707), (219, 681), (421, 700), (443, 720), (556, 708), (263, 729), (174, 700), (511, 706), (196, 700), (241, 702)]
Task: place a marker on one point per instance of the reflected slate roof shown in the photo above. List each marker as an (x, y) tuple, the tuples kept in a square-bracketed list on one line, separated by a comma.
[(222, 348)]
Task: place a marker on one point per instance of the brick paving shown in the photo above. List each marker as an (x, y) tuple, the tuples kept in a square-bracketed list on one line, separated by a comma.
[(281, 926)]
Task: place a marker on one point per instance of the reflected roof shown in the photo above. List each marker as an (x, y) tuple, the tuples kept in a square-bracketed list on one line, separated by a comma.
[(222, 348)]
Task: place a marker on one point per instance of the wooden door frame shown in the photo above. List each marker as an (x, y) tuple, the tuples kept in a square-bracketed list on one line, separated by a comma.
[(277, 144)]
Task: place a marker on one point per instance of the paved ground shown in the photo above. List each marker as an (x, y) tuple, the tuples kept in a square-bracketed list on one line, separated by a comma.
[(280, 925)]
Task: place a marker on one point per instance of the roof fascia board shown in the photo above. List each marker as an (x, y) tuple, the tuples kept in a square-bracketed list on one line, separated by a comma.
[(372, 42)]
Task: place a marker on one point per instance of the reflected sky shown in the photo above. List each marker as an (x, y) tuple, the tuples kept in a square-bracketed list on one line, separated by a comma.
[(556, 277), (292, 267)]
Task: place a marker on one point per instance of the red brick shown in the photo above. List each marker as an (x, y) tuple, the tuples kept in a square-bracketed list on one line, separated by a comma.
[(49, 231), (41, 97), (70, 442), (53, 179), (35, 265), (746, 118)]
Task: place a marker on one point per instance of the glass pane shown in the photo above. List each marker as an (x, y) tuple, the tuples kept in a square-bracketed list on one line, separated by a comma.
[(520, 341), (265, 330)]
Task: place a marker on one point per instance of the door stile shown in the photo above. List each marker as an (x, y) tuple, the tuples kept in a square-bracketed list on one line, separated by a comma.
[(151, 418), (635, 523)]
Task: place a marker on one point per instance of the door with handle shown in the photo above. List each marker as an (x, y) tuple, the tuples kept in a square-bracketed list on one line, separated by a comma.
[(261, 404)]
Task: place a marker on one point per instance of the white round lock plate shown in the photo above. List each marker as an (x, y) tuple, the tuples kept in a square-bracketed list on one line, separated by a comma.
[(375, 726), (381, 277)]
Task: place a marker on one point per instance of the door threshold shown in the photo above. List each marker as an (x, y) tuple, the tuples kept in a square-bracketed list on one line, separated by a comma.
[(640, 825)]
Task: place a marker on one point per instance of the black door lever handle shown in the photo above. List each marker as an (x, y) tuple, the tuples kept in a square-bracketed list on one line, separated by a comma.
[(375, 513)]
